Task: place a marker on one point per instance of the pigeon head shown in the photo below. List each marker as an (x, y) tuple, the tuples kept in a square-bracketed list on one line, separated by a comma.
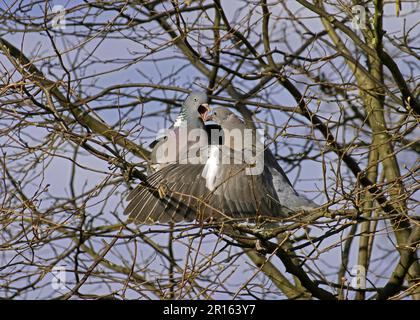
[(226, 119), (195, 109)]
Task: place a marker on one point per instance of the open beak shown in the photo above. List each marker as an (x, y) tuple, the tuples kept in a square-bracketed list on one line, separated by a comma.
[(204, 111)]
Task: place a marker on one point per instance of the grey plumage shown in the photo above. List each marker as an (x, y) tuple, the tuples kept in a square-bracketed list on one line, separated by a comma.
[(186, 196), (216, 189), (191, 117), (287, 197)]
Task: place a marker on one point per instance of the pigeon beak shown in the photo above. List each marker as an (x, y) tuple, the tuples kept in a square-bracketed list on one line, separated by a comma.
[(204, 111)]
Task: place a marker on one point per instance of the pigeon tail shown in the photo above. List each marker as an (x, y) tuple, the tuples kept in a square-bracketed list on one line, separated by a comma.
[(300, 202)]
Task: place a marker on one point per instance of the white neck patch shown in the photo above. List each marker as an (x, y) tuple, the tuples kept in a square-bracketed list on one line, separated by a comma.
[(211, 167), (180, 121)]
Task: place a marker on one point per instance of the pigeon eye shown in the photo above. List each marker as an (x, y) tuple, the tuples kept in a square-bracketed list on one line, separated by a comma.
[(215, 113)]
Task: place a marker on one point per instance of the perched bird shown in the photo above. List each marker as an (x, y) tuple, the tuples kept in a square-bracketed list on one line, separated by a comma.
[(230, 181), (172, 144), (287, 196)]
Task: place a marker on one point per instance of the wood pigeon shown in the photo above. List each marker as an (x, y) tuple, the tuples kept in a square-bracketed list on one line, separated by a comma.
[(172, 144), (287, 196), (231, 181)]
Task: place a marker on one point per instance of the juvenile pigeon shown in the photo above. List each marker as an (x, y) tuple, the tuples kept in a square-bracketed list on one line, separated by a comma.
[(222, 185), (287, 196)]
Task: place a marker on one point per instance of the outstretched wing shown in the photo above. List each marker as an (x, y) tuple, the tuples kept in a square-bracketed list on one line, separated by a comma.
[(183, 192)]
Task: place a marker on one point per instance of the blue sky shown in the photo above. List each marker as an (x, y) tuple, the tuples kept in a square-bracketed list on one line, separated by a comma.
[(109, 55)]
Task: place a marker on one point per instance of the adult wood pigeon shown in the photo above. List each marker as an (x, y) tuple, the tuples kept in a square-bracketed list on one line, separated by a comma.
[(170, 144), (229, 182)]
